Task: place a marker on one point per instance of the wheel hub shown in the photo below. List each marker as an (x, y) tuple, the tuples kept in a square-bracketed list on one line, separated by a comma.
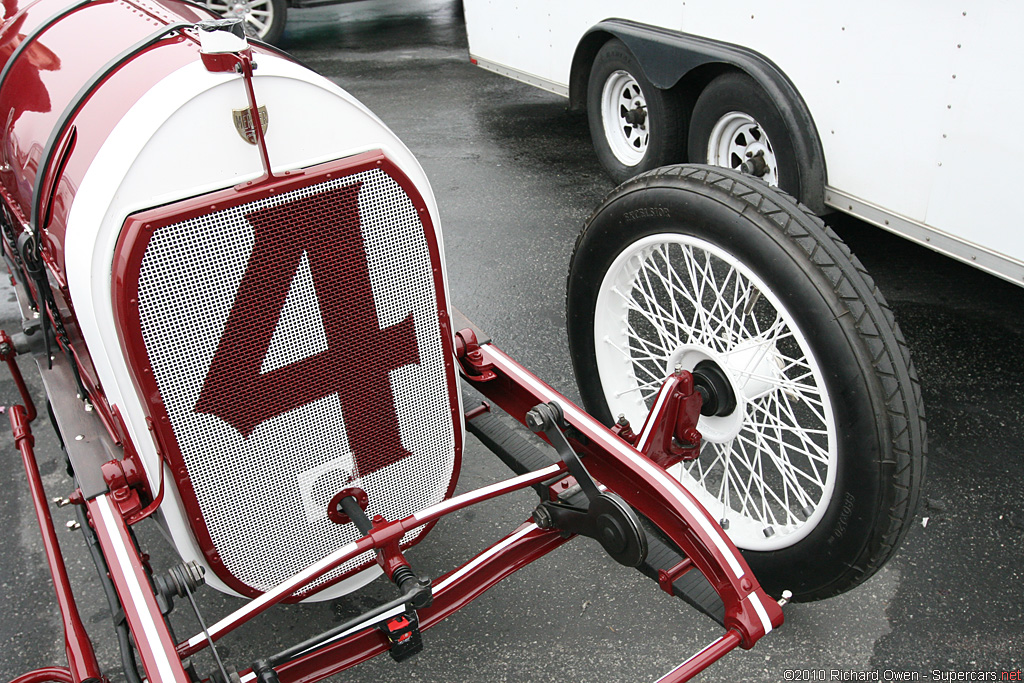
[(755, 165), (728, 382), (637, 116), (718, 398), (739, 142)]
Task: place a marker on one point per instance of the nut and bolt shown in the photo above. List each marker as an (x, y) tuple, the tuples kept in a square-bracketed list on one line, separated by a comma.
[(534, 420), (542, 517)]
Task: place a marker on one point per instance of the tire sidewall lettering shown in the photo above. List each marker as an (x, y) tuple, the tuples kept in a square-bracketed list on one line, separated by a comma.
[(847, 530)]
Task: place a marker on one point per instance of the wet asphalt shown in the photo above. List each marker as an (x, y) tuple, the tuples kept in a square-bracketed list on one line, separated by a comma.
[(515, 177)]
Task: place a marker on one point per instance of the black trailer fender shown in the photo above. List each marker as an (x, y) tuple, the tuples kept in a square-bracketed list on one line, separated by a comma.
[(670, 58)]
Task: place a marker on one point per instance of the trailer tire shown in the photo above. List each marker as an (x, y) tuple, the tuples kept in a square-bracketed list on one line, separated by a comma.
[(734, 121), (818, 468), (635, 126)]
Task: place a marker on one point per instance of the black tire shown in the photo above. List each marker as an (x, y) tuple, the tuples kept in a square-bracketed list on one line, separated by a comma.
[(658, 133), (737, 95), (822, 375), (264, 20)]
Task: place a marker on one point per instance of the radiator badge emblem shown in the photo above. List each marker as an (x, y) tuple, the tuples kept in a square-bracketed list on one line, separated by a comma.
[(243, 123)]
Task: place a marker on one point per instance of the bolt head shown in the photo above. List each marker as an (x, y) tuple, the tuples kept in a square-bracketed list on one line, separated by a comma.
[(534, 420)]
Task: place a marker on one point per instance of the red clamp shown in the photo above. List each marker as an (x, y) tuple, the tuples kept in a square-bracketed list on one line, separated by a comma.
[(467, 350), (119, 480), (670, 432), (403, 634)]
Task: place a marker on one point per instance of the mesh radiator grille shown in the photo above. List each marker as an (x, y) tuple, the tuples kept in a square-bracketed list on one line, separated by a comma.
[(295, 345)]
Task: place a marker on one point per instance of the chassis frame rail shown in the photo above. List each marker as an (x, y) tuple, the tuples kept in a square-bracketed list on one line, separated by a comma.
[(749, 612)]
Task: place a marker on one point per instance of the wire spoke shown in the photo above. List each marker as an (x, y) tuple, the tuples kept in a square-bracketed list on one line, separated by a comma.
[(770, 463)]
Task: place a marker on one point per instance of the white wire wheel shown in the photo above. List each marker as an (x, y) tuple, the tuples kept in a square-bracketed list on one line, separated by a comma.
[(767, 468), (814, 462), (261, 19)]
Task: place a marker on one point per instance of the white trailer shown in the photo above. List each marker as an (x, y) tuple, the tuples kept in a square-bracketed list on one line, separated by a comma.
[(900, 113)]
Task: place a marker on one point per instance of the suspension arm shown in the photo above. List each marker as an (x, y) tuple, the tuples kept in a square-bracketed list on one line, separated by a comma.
[(643, 484)]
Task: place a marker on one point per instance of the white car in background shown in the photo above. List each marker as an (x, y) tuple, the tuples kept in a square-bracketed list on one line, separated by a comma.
[(264, 19)]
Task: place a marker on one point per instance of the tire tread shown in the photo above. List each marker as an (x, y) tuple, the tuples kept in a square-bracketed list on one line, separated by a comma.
[(875, 325)]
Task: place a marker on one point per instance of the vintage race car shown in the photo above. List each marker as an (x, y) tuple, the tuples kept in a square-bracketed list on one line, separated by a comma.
[(228, 299)]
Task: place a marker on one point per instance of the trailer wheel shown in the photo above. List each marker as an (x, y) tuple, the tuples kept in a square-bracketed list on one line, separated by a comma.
[(816, 470), (634, 125), (262, 19), (734, 123)]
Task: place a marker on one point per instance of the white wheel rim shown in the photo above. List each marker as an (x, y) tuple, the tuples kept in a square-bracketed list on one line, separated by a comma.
[(736, 138), (257, 15), (767, 470), (627, 137)]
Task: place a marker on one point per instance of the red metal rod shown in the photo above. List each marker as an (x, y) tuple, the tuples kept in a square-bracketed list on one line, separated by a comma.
[(254, 111), (81, 657), (52, 674), (703, 659), (377, 538), (8, 353), (152, 637), (451, 592)]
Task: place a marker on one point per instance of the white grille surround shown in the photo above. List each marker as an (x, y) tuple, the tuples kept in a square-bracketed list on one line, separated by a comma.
[(257, 501)]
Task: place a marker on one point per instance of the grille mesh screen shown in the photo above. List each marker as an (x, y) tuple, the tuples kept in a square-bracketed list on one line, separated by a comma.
[(287, 337)]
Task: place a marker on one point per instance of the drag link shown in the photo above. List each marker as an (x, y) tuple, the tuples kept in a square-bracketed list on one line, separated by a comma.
[(390, 558), (409, 598)]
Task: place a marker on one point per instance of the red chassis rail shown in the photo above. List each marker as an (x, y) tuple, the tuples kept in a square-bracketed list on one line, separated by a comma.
[(749, 612)]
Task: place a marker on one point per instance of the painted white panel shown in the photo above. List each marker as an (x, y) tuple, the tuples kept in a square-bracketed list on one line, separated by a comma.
[(909, 98), (539, 37), (509, 33), (979, 149)]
